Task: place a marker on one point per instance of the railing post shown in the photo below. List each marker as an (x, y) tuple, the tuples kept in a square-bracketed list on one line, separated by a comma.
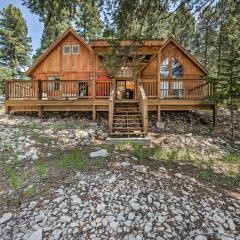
[(39, 90), (7, 90)]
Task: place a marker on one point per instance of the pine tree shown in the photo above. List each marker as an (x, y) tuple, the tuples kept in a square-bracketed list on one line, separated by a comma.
[(183, 27), (87, 20), (228, 90), (15, 45)]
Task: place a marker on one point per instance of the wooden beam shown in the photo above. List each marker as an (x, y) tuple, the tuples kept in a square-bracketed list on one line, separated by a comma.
[(94, 113), (158, 113), (40, 112)]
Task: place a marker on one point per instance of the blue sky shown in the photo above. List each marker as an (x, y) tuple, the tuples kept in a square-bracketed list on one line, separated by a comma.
[(35, 27)]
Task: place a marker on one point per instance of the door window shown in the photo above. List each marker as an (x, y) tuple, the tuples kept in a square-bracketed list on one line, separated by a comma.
[(54, 86)]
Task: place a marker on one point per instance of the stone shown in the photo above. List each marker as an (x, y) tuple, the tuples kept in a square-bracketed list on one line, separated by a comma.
[(110, 218), (178, 175), (179, 218), (33, 204), (99, 153), (160, 125), (135, 206), (100, 207), (6, 217), (65, 219), (140, 168), (76, 199), (231, 225), (200, 237), (112, 179), (147, 228), (114, 226), (37, 235), (21, 157), (131, 216)]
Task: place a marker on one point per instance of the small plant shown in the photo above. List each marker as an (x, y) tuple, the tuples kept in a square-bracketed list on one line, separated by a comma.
[(17, 181), (233, 157), (179, 129), (76, 159), (100, 161), (124, 146), (142, 153), (204, 175), (31, 191), (41, 170), (160, 153)]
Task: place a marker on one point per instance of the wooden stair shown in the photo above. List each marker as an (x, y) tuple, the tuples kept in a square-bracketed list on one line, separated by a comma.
[(127, 120)]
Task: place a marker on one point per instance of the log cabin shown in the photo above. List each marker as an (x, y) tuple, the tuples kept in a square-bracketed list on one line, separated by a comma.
[(69, 76)]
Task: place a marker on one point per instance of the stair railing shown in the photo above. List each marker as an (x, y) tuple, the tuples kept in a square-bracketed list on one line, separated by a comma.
[(111, 108), (143, 102)]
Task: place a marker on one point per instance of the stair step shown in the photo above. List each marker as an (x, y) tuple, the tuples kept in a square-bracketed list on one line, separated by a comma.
[(127, 123), (127, 129), (128, 134), (130, 115), (126, 109)]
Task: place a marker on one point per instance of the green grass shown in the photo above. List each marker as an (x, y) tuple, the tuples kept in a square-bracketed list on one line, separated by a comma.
[(17, 180), (31, 191), (233, 157), (41, 170), (76, 159)]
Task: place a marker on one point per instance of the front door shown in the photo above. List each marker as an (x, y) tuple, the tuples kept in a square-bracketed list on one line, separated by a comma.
[(125, 89)]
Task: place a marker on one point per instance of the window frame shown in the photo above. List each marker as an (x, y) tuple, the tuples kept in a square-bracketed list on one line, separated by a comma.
[(76, 45), (70, 47), (56, 85)]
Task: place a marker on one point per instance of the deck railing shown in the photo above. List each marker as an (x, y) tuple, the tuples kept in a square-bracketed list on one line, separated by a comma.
[(143, 102), (178, 88), (57, 89)]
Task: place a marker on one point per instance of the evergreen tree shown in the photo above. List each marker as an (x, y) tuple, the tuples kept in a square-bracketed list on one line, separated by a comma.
[(183, 27), (87, 20), (228, 85), (5, 74), (15, 45)]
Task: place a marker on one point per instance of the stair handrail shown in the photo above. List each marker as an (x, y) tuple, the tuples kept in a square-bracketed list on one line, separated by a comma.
[(143, 102), (111, 108)]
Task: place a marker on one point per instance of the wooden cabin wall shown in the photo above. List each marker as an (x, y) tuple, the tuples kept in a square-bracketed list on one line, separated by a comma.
[(151, 70), (69, 67), (191, 70)]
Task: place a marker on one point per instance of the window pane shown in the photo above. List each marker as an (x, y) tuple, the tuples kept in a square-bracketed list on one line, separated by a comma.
[(164, 88), (75, 49), (177, 68), (164, 68)]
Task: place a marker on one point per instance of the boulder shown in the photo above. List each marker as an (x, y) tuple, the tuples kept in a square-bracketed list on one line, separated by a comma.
[(99, 153)]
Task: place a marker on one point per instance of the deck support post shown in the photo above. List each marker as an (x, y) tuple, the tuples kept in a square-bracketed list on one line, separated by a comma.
[(158, 113), (7, 109), (40, 112), (214, 116), (94, 113)]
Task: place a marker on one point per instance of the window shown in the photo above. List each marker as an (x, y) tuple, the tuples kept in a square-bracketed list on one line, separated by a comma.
[(55, 86), (164, 88), (67, 49), (177, 88), (164, 68), (75, 49), (177, 68)]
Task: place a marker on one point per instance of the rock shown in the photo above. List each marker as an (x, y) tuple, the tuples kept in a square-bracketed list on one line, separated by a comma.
[(179, 218), (147, 228), (135, 206), (160, 125), (99, 153), (6, 217), (140, 168), (33, 204), (21, 157), (65, 219), (178, 175), (37, 235), (76, 199), (114, 226), (231, 225), (112, 179), (200, 237), (131, 216), (100, 207), (110, 218)]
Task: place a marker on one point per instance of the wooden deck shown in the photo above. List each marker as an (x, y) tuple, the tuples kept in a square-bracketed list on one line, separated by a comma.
[(73, 95)]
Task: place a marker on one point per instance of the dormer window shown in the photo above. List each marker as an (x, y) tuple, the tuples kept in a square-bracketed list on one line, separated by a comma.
[(75, 49), (67, 49)]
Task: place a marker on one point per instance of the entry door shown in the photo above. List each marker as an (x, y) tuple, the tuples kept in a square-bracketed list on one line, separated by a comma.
[(120, 89)]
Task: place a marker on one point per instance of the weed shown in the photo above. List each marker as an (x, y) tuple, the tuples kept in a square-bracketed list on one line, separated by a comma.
[(40, 139), (204, 175), (17, 181), (142, 153), (41, 170), (31, 191), (233, 157), (179, 129), (76, 159), (124, 146), (160, 153), (100, 161)]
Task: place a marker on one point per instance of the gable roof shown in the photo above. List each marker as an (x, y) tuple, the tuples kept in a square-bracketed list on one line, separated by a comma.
[(54, 44), (184, 50)]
